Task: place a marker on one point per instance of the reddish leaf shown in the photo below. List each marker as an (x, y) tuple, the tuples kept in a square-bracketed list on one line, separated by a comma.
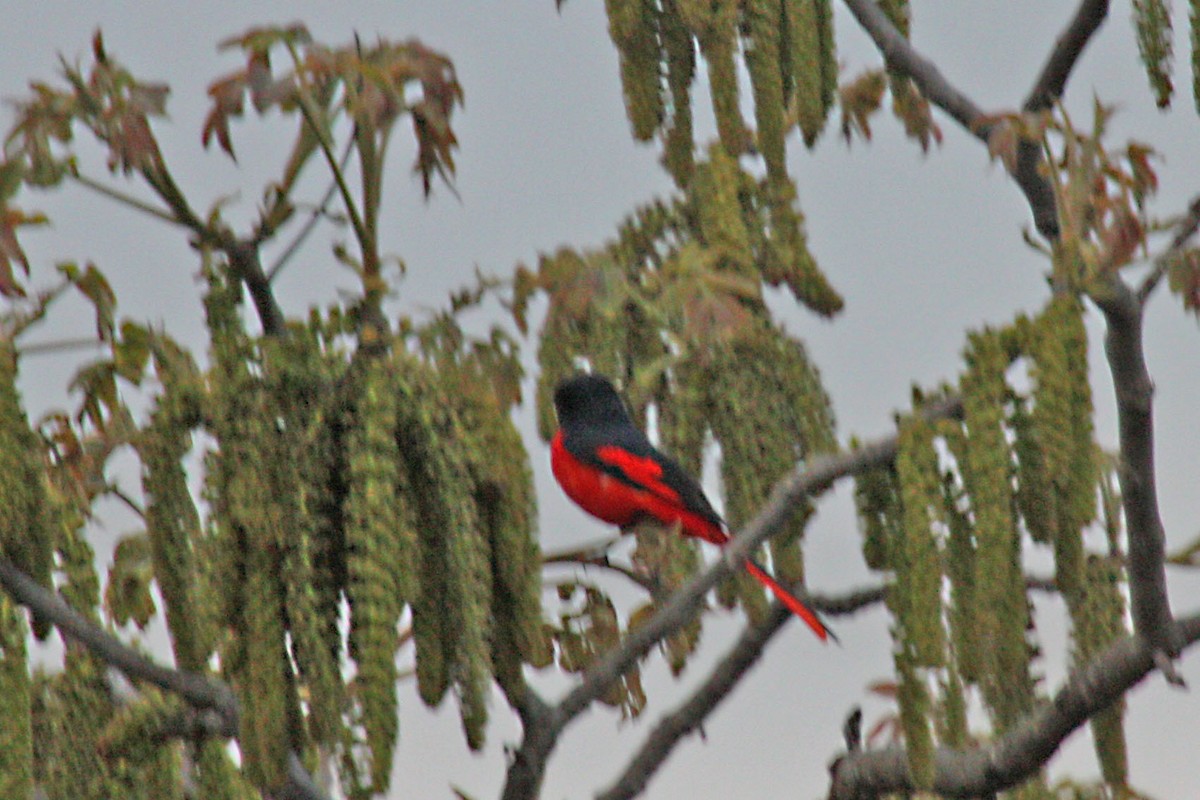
[(1122, 238), (227, 95), (1145, 179)]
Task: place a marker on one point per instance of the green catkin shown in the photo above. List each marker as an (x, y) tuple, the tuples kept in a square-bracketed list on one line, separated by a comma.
[(80, 584), (915, 597), (26, 536), (504, 495), (719, 211), (1194, 37), (1036, 501), (1152, 19), (247, 518), (952, 727), (16, 733), (714, 23), (794, 262), (768, 411), (877, 500), (68, 711), (763, 21), (295, 388), (912, 695), (136, 731), (813, 63), (633, 27), (456, 590), (1099, 619), (678, 142), (960, 568), (172, 522), (1002, 611), (216, 776), (379, 536), (1061, 423)]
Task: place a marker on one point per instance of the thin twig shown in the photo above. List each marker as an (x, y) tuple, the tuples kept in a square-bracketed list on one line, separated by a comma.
[(1186, 229), (602, 561), (246, 260), (126, 199), (59, 346), (119, 493), (304, 102), (311, 223)]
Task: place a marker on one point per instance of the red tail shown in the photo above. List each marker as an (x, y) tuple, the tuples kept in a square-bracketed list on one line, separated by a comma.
[(791, 601)]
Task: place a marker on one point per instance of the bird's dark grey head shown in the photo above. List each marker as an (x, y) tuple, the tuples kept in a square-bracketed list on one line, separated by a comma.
[(590, 399)]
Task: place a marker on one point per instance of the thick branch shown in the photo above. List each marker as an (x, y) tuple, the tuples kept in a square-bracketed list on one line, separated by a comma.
[(1123, 311), (1135, 419), (900, 55), (1024, 750), (1047, 90), (247, 265), (728, 673), (540, 728), (724, 677), (530, 759), (198, 690), (207, 695), (1052, 81)]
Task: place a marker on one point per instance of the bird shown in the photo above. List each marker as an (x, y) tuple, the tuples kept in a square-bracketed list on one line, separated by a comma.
[(607, 466)]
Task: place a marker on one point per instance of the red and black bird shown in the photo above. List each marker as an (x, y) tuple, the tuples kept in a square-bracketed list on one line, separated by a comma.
[(610, 469)]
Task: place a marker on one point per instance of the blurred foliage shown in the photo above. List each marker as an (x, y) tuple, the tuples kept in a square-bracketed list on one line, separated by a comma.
[(340, 501), (344, 464), (951, 522)]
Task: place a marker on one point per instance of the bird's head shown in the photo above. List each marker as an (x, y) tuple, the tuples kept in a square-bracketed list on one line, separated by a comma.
[(588, 398)]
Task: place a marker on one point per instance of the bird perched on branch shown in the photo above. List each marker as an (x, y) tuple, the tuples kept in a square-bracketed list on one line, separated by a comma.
[(609, 468)]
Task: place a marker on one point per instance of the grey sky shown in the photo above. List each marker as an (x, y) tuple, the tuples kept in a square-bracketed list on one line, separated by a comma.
[(923, 248)]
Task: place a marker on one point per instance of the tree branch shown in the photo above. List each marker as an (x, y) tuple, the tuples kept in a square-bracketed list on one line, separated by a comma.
[(206, 694), (1186, 229), (1052, 80), (728, 673), (900, 55), (724, 677), (1024, 750), (529, 759), (246, 261), (198, 690), (1046, 91), (1139, 497)]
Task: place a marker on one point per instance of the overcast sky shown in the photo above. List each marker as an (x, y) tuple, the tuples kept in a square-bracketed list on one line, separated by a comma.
[(923, 248)]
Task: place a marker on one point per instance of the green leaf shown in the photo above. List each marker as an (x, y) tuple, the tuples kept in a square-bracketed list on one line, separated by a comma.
[(95, 287), (128, 594)]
